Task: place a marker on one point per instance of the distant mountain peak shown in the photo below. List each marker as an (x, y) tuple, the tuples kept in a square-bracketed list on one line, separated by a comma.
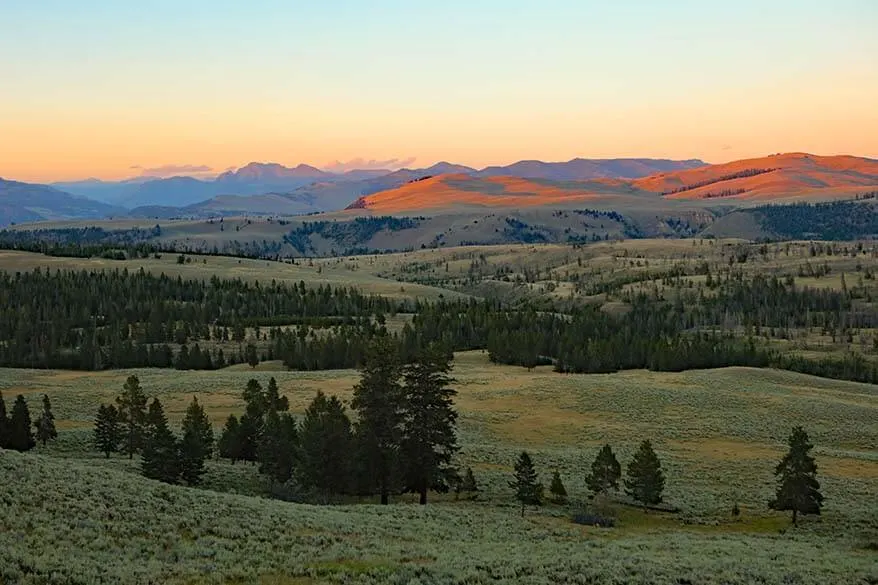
[(257, 171)]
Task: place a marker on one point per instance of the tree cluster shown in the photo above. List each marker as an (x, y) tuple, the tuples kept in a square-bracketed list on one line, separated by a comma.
[(18, 432)]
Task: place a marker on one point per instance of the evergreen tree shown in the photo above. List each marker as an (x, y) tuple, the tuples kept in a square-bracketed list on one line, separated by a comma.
[(160, 458), (645, 481), (468, 485), (378, 399), (251, 356), (278, 443), (428, 431), (273, 399), (557, 489), (20, 436), (107, 432), (45, 424), (325, 442), (252, 421), (230, 440), (605, 472), (131, 406), (197, 443), (797, 489), (528, 489), (4, 424)]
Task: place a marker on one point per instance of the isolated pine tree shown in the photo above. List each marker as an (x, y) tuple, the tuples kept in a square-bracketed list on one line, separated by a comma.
[(131, 406), (107, 432), (229, 444), (197, 443), (20, 436), (798, 489), (557, 489), (251, 356), (528, 489), (160, 458), (325, 441), (645, 481), (468, 485), (4, 424), (428, 431), (44, 426), (605, 472), (378, 401)]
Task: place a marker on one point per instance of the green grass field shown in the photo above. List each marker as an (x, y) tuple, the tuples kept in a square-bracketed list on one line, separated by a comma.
[(72, 517)]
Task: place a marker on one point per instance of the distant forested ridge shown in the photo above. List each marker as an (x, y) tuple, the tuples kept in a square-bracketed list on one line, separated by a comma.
[(348, 236), (836, 220)]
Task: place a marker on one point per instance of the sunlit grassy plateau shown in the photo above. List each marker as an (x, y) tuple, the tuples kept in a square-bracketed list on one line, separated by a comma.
[(67, 515)]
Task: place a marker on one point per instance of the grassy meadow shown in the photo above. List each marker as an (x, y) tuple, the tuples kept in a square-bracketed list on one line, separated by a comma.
[(72, 516)]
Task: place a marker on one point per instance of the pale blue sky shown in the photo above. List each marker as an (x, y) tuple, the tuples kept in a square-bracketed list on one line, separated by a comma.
[(102, 85)]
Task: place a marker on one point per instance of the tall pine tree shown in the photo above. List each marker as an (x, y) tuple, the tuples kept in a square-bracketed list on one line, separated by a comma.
[(278, 442), (645, 481), (197, 443), (20, 436), (428, 432), (107, 432), (131, 406), (325, 441), (45, 424), (160, 457), (605, 472), (4, 424), (798, 489), (557, 489), (528, 489), (378, 400), (230, 440)]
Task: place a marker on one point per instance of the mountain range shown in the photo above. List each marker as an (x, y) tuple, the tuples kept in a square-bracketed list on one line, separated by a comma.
[(273, 189)]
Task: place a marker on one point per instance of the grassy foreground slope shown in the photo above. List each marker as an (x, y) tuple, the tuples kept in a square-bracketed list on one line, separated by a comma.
[(67, 522), (69, 516)]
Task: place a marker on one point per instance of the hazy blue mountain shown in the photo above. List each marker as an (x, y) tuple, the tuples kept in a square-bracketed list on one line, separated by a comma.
[(24, 202), (581, 169)]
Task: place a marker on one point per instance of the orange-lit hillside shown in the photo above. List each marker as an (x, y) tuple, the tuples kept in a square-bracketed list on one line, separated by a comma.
[(458, 190), (778, 176)]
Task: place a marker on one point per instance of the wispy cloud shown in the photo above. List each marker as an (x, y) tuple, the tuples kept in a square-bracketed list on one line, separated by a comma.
[(362, 164), (171, 170)]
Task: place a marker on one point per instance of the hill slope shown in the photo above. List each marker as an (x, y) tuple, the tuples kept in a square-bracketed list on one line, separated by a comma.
[(771, 177), (25, 202)]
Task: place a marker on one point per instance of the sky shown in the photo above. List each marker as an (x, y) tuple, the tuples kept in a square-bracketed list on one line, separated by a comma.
[(114, 89)]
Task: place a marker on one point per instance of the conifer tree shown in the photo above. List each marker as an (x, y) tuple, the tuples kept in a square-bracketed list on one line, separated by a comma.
[(378, 399), (797, 489), (197, 443), (528, 489), (44, 426), (273, 399), (469, 485), (645, 481), (605, 472), (230, 440), (20, 436), (557, 489), (160, 458), (131, 407), (428, 430), (4, 424), (107, 432), (325, 441), (276, 452), (251, 356)]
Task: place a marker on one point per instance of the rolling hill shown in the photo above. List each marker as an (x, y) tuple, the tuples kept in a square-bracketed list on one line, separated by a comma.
[(26, 202), (743, 182), (772, 177)]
